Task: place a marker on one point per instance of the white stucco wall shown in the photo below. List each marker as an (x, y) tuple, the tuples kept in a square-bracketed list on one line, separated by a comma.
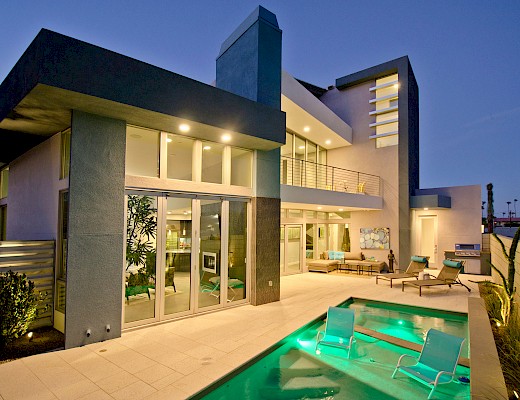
[(34, 187), (363, 156), (459, 224)]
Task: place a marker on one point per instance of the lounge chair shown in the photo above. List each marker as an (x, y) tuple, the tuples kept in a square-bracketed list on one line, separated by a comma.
[(417, 264), (449, 275), (438, 360), (339, 329)]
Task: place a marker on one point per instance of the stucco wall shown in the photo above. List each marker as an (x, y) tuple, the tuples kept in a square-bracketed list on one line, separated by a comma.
[(352, 106), (96, 229), (459, 224), (33, 193)]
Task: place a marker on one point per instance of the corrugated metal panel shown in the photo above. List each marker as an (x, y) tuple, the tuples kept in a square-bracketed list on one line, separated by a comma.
[(36, 260)]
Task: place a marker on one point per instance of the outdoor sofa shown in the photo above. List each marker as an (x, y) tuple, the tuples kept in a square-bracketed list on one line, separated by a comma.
[(332, 260)]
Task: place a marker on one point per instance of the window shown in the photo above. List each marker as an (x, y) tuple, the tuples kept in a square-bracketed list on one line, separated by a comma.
[(4, 182), (180, 157), (241, 167), (142, 151), (212, 162), (65, 154), (61, 261), (3, 222)]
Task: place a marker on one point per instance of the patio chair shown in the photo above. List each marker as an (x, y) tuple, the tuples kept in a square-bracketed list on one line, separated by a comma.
[(417, 264), (449, 275), (339, 330), (437, 362)]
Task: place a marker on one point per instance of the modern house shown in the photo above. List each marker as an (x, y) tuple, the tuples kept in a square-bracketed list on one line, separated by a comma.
[(159, 190)]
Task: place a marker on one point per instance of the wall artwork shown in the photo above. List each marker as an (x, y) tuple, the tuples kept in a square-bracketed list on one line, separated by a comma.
[(374, 238)]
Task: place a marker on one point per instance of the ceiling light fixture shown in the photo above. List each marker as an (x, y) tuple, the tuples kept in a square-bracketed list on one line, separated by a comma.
[(319, 208), (169, 140), (341, 209), (328, 141), (226, 137), (184, 127), (425, 208), (301, 147), (306, 129), (206, 148)]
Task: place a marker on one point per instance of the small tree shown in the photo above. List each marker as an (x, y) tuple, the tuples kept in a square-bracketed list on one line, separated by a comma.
[(506, 290), (18, 306), (490, 211)]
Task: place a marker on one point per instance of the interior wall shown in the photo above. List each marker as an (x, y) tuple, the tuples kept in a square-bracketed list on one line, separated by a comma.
[(34, 187)]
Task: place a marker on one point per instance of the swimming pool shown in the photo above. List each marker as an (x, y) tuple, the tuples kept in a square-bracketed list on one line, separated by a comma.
[(408, 322), (292, 370)]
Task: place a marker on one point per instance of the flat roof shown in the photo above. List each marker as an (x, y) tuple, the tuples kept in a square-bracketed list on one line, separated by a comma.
[(57, 74)]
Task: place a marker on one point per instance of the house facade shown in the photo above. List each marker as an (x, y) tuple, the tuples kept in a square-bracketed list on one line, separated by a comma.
[(167, 197)]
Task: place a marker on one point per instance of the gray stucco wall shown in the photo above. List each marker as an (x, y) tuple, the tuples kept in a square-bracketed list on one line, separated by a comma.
[(250, 60), (33, 193), (96, 229)]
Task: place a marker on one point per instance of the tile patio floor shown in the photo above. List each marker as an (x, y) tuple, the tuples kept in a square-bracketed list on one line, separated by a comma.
[(177, 359)]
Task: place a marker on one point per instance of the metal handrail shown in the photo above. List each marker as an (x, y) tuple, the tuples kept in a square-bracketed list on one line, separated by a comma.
[(309, 174)]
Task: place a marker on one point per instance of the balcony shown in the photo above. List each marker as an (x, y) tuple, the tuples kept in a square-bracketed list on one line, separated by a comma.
[(307, 174)]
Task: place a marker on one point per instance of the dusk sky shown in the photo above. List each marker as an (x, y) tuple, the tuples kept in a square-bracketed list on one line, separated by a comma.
[(465, 56)]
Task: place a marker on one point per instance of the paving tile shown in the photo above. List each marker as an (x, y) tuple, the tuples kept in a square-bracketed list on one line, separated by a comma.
[(167, 380), (154, 373), (95, 367), (97, 395), (75, 390), (168, 393), (128, 359), (17, 381), (117, 381), (135, 391), (192, 383)]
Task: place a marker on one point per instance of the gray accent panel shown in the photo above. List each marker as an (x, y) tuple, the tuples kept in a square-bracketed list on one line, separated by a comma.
[(268, 173), (265, 251), (372, 73), (250, 61), (96, 225), (430, 201)]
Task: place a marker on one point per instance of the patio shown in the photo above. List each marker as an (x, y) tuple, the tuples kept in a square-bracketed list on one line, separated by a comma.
[(177, 359)]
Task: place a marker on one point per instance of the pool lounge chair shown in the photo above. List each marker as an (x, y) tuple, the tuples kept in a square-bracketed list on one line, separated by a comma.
[(437, 362), (417, 264), (449, 275), (339, 330)]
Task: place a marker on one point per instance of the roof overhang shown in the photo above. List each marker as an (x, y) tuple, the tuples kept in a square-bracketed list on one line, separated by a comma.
[(57, 74), (430, 201), (303, 109)]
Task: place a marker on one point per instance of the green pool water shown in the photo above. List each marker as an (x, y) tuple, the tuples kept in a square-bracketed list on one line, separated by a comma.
[(292, 370), (408, 322)]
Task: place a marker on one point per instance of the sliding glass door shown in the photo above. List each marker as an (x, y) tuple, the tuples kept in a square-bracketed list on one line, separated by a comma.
[(183, 255)]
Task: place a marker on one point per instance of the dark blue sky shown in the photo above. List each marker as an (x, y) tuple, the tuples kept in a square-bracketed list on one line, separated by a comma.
[(465, 55)]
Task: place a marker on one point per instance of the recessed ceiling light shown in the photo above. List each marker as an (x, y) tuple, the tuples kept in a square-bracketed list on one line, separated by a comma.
[(328, 142), (206, 148), (306, 129), (226, 137), (425, 208), (169, 140), (319, 208), (396, 86), (301, 147), (184, 127), (169, 212), (341, 209), (136, 136)]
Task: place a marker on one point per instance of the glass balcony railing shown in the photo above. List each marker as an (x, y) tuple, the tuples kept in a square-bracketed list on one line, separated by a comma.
[(309, 174)]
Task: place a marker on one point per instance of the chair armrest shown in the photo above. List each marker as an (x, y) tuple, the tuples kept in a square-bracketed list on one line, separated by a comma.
[(442, 373), (403, 356)]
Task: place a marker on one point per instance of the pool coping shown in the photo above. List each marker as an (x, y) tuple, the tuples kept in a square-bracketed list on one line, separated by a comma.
[(486, 377)]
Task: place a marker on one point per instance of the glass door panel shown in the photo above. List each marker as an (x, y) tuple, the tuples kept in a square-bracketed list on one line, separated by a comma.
[(177, 270), (294, 247), (141, 251), (210, 253), (282, 249), (237, 251)]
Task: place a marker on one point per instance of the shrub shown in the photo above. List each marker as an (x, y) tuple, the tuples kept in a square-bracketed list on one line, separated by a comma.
[(18, 306)]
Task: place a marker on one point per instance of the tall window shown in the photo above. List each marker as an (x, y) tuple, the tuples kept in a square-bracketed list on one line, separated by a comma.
[(386, 111), (237, 251), (65, 154), (241, 167), (61, 264), (212, 154), (4, 182), (3, 222), (180, 157)]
